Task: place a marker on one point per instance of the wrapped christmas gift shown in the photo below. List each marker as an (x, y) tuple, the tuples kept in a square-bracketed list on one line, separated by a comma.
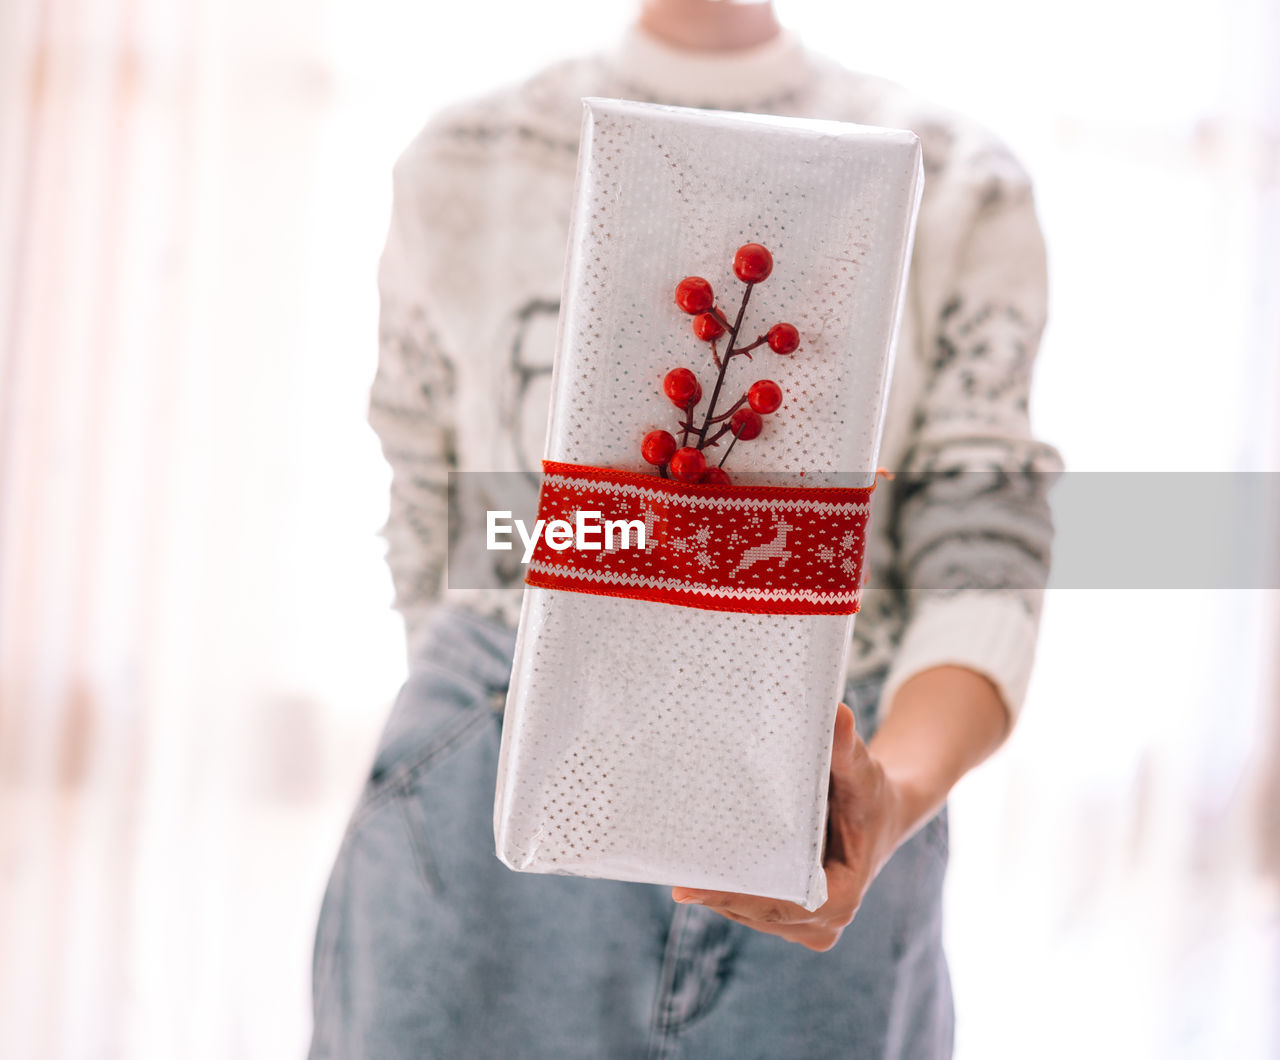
[(732, 294)]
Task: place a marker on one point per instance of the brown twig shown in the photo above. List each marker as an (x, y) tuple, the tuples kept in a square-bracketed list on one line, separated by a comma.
[(733, 337), (686, 425), (715, 438), (746, 350), (736, 436), (732, 409)]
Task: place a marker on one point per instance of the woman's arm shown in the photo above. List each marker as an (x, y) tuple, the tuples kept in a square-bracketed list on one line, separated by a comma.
[(942, 723), (970, 523)]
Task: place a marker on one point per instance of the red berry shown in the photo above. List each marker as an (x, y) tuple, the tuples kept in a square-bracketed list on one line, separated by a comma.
[(746, 424), (681, 386), (752, 263), (707, 327), (687, 464), (783, 338), (694, 294), (657, 447), (715, 476), (765, 396)]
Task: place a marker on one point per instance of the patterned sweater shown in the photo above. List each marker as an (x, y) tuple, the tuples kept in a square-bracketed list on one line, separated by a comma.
[(470, 279)]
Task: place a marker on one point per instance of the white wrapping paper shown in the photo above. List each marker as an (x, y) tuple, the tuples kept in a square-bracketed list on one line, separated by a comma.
[(667, 744)]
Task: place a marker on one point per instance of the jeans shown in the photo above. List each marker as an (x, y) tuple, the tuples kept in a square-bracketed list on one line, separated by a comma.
[(427, 946)]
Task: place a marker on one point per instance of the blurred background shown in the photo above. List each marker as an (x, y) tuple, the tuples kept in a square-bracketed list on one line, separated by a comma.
[(196, 643)]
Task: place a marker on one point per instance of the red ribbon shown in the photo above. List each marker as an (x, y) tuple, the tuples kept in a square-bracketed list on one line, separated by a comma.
[(773, 550)]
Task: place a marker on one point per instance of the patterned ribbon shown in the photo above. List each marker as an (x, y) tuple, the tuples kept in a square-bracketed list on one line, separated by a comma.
[(774, 550)]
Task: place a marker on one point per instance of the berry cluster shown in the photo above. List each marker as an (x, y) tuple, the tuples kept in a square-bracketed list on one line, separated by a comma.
[(687, 462)]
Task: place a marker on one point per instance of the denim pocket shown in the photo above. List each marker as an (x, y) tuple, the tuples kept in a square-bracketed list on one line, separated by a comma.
[(443, 794), (434, 710)]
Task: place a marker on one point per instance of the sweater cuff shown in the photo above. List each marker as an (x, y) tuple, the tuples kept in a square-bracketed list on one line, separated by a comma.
[(992, 634)]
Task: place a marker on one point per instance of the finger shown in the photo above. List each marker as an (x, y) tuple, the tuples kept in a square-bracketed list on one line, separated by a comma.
[(748, 906), (818, 937)]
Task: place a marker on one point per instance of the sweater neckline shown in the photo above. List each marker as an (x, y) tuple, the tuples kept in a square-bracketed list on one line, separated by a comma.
[(744, 78)]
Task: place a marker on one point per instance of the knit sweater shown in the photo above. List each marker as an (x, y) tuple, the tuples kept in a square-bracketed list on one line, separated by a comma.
[(470, 282)]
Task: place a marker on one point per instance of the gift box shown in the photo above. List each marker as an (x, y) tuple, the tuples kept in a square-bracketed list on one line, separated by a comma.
[(671, 707)]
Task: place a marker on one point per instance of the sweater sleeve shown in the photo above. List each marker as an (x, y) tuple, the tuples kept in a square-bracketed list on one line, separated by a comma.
[(411, 409), (971, 524)]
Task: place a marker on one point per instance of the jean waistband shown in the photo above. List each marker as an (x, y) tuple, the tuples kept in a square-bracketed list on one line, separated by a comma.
[(473, 645)]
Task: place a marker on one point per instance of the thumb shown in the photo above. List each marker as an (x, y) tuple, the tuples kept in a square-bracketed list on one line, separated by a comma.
[(846, 734), (843, 744), (844, 785)]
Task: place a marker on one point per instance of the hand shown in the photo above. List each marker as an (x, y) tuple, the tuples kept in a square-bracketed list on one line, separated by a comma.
[(944, 720), (863, 830)]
